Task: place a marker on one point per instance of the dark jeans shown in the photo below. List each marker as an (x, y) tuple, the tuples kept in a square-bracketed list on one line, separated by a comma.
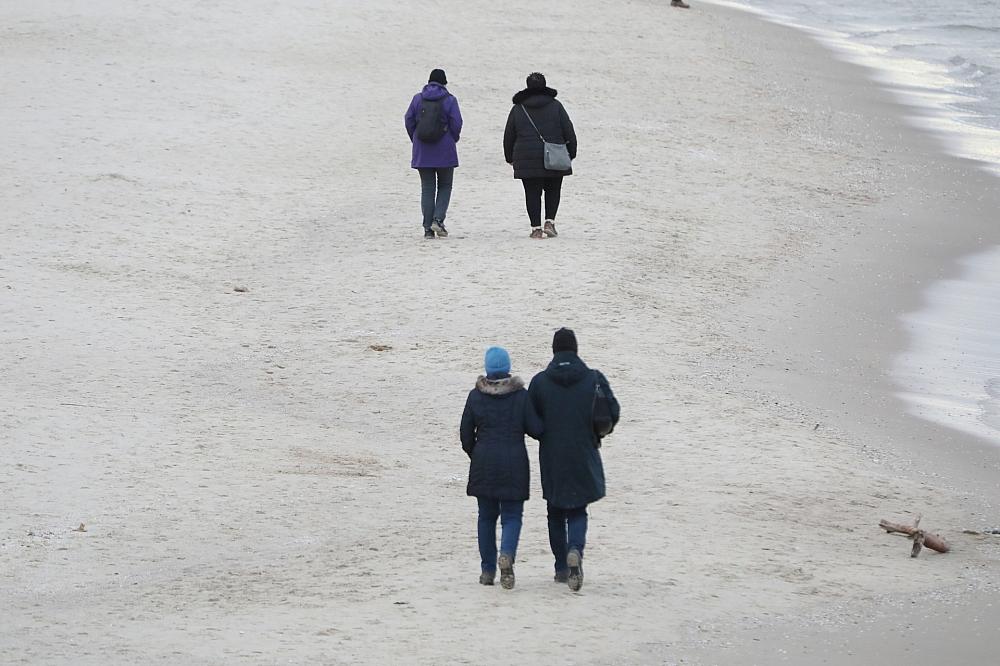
[(533, 188), (509, 512), (567, 531), (435, 193)]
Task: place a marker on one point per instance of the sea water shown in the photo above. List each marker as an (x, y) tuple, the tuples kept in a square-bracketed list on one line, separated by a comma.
[(943, 60)]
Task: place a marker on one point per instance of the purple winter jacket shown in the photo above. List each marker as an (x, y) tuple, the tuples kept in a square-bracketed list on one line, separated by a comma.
[(443, 153)]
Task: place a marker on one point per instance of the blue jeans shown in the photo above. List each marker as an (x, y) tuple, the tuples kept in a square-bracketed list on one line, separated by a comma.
[(435, 193), (509, 512), (567, 531)]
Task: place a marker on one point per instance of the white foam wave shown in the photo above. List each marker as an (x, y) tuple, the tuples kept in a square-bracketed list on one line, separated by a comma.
[(950, 374)]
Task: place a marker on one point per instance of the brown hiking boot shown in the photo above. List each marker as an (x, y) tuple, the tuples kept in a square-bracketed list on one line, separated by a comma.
[(536, 232), (487, 577), (550, 229)]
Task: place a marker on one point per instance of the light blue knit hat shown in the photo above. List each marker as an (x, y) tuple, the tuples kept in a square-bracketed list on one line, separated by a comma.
[(497, 361)]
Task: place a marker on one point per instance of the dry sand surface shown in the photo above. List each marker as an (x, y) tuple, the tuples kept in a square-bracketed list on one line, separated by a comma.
[(274, 476)]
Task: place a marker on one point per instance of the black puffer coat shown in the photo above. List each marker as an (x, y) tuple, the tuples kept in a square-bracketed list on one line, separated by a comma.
[(521, 145), (497, 415), (563, 395)]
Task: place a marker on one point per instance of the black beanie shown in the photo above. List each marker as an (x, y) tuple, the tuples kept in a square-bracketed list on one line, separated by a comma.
[(564, 340), (536, 80), (437, 76)]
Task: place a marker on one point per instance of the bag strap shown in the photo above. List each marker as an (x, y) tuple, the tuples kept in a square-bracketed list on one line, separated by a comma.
[(533, 123)]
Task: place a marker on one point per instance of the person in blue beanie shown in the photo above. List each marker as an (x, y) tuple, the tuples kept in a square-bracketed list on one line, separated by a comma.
[(497, 415)]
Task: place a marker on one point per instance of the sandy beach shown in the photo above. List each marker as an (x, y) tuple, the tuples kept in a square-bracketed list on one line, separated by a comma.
[(198, 475)]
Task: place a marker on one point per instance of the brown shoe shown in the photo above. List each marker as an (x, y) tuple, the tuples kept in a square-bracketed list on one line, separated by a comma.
[(679, 3), (550, 229), (536, 232)]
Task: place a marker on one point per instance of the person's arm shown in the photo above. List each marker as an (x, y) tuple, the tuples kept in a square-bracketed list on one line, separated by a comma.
[(534, 396), (467, 431), (509, 137), (533, 424), (455, 119), (410, 119), (568, 132)]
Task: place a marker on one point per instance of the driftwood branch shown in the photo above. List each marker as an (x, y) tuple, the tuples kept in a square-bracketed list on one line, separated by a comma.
[(920, 537)]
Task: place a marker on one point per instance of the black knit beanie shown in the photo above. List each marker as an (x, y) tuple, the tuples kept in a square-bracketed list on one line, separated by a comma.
[(437, 76), (536, 80), (564, 340)]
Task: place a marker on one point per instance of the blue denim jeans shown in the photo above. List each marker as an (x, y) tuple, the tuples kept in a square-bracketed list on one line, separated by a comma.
[(567, 531), (509, 512), (435, 193)]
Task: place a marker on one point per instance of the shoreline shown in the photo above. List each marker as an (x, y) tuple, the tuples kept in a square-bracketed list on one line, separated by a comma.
[(927, 105), (953, 335), (276, 471), (900, 252), (932, 96)]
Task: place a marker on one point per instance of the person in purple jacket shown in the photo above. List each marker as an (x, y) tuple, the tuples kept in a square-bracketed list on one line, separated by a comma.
[(434, 124)]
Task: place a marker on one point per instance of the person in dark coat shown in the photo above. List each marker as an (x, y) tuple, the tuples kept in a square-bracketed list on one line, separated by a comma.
[(568, 456), (435, 161), (496, 417), (522, 148)]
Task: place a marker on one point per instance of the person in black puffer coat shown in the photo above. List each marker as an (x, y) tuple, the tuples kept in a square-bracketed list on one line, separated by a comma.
[(568, 455), (496, 417), (522, 148)]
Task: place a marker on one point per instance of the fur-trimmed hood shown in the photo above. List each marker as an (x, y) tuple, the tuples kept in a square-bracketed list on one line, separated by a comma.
[(499, 386), (535, 97)]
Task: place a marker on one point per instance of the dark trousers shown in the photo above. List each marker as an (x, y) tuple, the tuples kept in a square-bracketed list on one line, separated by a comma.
[(510, 514), (533, 188), (435, 193), (567, 531)]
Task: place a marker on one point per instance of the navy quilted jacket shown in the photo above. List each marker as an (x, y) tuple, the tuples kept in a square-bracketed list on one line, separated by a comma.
[(497, 415)]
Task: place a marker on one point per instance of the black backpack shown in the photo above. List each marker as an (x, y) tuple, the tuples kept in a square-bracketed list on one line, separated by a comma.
[(432, 122), (601, 419)]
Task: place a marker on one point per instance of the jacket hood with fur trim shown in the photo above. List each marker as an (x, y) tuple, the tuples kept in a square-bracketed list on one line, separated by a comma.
[(499, 386), (534, 97)]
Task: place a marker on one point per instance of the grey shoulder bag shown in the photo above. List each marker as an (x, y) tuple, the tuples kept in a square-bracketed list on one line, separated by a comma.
[(555, 155)]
